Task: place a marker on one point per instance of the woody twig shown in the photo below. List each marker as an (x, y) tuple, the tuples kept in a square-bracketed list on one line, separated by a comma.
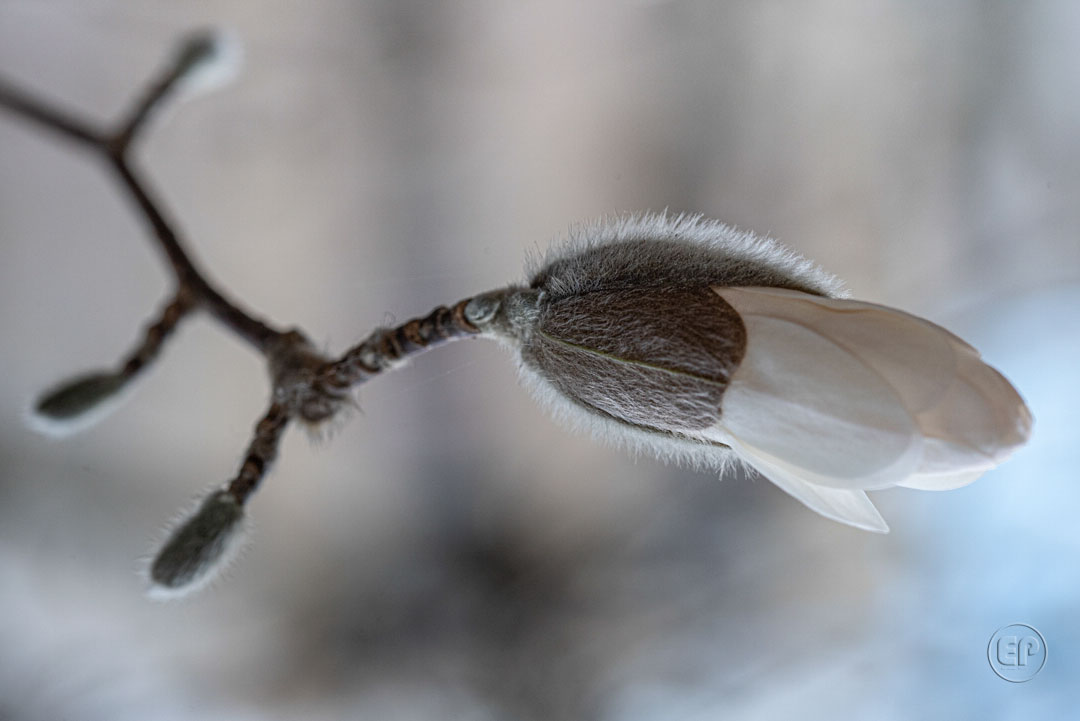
[(305, 385)]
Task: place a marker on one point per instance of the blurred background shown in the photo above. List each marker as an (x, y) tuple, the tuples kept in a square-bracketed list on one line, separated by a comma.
[(451, 552)]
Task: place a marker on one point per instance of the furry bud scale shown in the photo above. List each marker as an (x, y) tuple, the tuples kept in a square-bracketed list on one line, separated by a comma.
[(659, 358), (77, 403), (696, 342), (197, 550)]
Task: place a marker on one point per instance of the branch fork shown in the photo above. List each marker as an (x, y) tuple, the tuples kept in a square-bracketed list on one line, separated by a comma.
[(305, 384), (679, 336)]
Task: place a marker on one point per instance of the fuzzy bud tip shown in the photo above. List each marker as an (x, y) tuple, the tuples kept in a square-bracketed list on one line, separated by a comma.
[(77, 403), (199, 548), (208, 59)]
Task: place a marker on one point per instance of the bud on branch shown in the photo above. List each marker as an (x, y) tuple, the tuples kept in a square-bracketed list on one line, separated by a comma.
[(199, 548), (678, 336)]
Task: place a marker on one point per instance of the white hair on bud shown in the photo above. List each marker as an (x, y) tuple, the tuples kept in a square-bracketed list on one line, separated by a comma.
[(228, 545), (62, 426), (662, 249), (648, 250), (320, 433), (826, 397), (669, 448), (216, 58)]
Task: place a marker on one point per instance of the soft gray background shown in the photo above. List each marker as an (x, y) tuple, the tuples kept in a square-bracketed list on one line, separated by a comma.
[(451, 553)]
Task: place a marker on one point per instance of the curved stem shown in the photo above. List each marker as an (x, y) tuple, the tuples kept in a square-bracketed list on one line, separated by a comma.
[(115, 147), (156, 334), (387, 347), (260, 454), (48, 116), (246, 326), (305, 385)]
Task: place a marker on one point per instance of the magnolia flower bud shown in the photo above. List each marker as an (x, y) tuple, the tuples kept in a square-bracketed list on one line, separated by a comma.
[(688, 339), (77, 403), (199, 548)]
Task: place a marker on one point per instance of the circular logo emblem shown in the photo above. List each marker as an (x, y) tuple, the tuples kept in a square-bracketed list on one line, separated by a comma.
[(1017, 652)]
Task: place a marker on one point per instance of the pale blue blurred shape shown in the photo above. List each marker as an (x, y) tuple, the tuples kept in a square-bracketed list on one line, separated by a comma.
[(1002, 550), (960, 565)]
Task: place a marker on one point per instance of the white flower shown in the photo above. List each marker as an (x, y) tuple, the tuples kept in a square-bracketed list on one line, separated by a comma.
[(693, 341), (837, 397)]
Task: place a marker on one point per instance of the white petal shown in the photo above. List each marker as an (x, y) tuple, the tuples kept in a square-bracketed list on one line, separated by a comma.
[(941, 481), (844, 505), (834, 397), (977, 422), (967, 417), (804, 400)]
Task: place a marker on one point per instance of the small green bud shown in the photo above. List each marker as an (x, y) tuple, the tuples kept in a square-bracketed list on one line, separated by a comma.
[(77, 403), (199, 548)]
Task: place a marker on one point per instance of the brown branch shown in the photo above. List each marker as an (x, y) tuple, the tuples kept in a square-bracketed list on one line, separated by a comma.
[(255, 331), (261, 453), (385, 348), (198, 48), (156, 335), (47, 116), (304, 384), (115, 146)]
